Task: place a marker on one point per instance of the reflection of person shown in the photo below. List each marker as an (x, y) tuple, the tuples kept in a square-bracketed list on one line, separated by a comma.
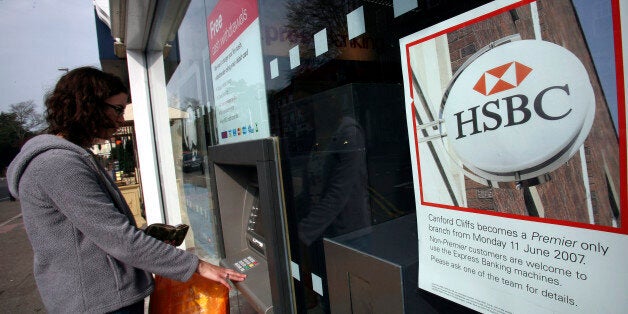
[(334, 199), (336, 178), (89, 256)]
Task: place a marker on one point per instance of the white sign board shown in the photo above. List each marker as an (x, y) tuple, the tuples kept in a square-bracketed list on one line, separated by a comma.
[(492, 107), (545, 105), (237, 71)]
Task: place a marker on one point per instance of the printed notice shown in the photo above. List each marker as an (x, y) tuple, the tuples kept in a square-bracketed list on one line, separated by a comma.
[(519, 158), (237, 71), (508, 262)]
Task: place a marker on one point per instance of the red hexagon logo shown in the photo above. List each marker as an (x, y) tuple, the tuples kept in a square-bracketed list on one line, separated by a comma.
[(501, 78)]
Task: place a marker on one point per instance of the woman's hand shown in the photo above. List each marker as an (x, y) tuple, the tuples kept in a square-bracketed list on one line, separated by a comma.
[(219, 274)]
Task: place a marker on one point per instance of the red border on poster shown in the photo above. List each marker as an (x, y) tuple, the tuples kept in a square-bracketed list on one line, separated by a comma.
[(621, 122), (227, 21)]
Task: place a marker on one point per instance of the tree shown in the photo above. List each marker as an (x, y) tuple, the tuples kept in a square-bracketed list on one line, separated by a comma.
[(16, 126), (9, 143), (124, 154), (29, 120)]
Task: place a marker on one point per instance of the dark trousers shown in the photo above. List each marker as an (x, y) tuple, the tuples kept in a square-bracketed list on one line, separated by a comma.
[(135, 308)]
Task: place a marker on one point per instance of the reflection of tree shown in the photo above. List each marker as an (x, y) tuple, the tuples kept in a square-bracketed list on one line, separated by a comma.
[(306, 18)]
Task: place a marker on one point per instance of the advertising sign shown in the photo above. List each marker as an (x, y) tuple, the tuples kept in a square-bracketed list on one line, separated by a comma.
[(554, 108), (237, 71), (519, 157)]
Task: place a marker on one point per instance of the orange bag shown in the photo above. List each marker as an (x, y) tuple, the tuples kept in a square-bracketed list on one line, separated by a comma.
[(197, 295)]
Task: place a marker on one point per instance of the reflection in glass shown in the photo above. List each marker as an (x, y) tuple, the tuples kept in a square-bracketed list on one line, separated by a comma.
[(189, 93), (334, 193), (341, 121)]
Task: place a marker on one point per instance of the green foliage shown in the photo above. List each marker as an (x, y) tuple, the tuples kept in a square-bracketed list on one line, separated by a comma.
[(18, 125), (129, 157), (9, 142), (125, 156)]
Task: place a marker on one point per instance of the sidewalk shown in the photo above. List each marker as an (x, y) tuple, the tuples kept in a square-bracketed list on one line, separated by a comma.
[(18, 292)]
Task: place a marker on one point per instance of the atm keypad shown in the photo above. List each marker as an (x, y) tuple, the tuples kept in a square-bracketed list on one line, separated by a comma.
[(245, 263)]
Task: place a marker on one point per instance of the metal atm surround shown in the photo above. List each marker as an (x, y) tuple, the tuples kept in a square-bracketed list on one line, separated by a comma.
[(375, 270), (237, 170)]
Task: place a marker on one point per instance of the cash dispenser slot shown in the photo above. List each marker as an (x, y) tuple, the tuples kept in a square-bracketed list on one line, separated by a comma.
[(255, 224), (246, 189)]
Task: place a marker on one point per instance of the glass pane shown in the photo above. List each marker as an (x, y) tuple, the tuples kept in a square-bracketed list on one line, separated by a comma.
[(334, 89), (336, 101), (189, 94)]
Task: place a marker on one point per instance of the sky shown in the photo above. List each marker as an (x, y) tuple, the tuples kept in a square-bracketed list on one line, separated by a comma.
[(38, 38), (41, 36)]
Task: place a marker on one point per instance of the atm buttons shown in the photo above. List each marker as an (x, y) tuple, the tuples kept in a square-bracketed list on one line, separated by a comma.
[(245, 263)]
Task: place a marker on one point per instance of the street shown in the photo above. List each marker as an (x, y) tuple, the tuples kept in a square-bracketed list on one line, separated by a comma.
[(4, 189), (18, 292)]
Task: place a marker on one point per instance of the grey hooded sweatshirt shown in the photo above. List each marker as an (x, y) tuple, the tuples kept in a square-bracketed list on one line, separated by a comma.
[(89, 257)]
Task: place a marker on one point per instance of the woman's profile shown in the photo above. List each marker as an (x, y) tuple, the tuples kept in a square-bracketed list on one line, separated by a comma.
[(89, 256)]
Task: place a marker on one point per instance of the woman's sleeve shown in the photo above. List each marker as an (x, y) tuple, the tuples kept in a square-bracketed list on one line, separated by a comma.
[(76, 191)]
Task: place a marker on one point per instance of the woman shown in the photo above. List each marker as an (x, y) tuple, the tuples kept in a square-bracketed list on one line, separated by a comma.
[(89, 256)]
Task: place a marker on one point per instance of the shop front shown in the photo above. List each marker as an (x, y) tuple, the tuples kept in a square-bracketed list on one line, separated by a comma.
[(387, 156)]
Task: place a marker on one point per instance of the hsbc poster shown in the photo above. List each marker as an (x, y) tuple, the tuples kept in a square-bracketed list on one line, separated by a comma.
[(237, 71), (519, 158)]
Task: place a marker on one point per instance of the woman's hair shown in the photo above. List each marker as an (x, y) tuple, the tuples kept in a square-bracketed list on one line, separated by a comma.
[(76, 107)]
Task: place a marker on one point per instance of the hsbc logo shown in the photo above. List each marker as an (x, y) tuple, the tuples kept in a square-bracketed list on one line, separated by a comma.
[(502, 78), (514, 104), (518, 110)]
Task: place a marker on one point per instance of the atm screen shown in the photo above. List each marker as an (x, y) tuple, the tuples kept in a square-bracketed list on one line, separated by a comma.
[(255, 227)]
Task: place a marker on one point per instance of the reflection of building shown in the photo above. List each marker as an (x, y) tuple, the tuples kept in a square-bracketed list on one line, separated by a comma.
[(586, 188), (386, 150)]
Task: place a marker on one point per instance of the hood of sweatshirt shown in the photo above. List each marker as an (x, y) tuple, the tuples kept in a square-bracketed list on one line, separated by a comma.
[(32, 149)]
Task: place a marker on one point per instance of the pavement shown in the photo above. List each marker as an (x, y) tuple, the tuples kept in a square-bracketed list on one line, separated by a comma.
[(4, 190), (18, 291)]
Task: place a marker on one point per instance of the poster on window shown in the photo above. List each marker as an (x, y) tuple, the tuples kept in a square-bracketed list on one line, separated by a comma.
[(235, 50), (517, 128)]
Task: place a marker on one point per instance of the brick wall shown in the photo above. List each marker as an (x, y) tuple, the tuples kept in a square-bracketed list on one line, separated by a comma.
[(564, 196)]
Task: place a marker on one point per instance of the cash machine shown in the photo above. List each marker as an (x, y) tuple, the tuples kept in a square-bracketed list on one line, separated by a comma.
[(246, 188)]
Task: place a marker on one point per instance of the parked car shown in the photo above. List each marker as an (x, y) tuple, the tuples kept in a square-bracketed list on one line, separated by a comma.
[(192, 162)]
